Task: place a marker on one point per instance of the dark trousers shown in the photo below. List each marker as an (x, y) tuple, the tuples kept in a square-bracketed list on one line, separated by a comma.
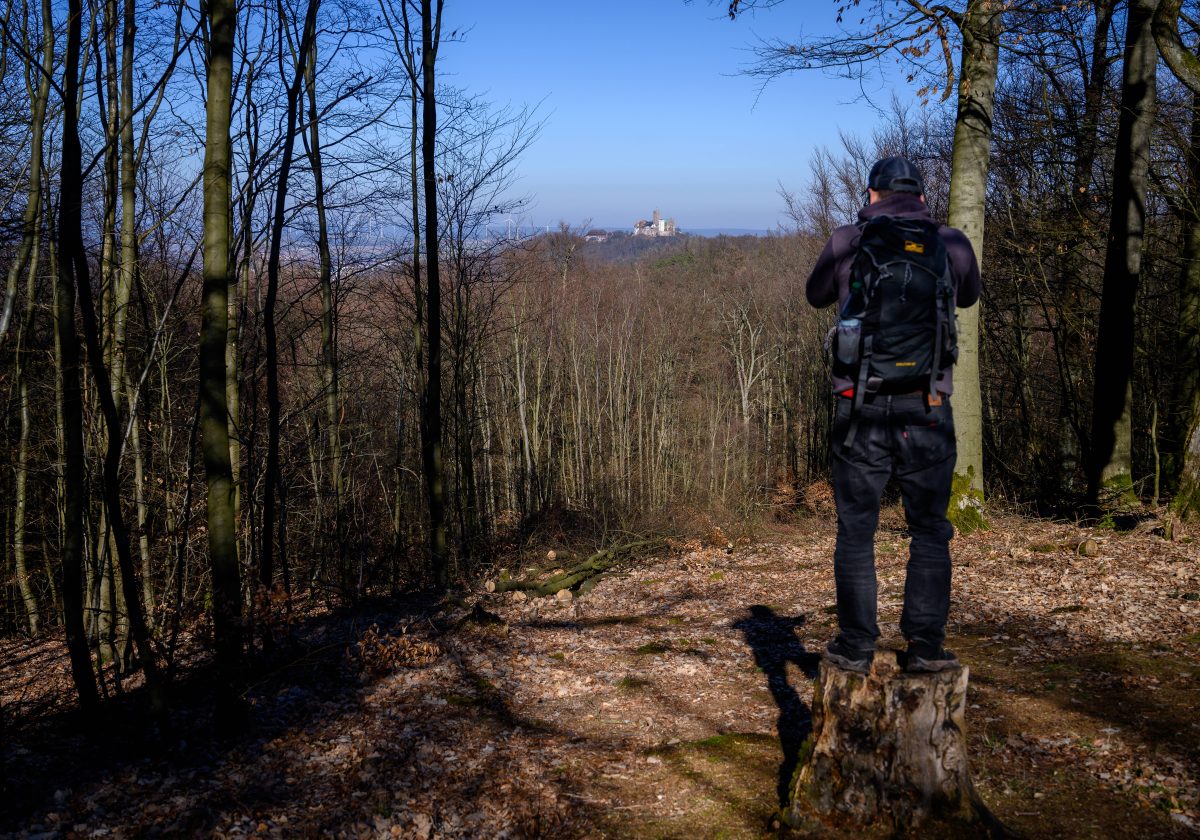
[(897, 435)]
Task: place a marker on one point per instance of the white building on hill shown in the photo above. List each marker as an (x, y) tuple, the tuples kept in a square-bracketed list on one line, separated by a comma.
[(658, 226)]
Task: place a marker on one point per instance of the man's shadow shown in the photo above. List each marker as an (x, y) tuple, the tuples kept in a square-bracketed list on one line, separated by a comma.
[(773, 641)]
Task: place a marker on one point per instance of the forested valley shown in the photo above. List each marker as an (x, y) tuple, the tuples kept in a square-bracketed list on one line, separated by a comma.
[(333, 504)]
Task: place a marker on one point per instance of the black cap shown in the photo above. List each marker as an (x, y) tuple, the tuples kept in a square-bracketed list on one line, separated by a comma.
[(896, 174)]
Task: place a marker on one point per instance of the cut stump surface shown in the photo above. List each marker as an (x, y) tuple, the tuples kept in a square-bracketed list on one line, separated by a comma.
[(888, 754)]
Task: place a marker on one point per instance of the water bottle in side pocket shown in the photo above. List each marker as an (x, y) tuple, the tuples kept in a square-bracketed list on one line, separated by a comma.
[(848, 341)]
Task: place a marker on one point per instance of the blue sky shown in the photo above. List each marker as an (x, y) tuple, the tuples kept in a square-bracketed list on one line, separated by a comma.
[(645, 108)]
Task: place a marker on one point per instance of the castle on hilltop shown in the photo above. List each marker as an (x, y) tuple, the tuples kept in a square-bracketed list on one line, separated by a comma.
[(658, 226)]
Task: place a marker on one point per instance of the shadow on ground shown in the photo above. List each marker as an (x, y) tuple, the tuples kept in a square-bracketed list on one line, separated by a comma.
[(772, 640), (60, 770)]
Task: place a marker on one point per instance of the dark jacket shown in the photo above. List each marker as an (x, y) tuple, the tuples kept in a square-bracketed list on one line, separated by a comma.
[(829, 282)]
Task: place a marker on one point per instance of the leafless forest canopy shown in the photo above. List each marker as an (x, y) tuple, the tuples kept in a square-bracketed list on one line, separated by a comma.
[(408, 395)]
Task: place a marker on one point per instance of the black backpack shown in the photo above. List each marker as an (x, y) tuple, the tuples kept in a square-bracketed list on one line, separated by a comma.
[(897, 328)]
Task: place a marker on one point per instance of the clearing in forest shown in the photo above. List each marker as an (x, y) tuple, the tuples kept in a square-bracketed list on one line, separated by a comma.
[(667, 702)]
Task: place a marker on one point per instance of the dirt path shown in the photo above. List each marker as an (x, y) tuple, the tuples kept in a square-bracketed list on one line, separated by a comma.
[(669, 702)]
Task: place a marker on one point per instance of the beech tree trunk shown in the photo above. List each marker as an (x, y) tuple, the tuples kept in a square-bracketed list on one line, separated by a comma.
[(1111, 463), (431, 443), (214, 423), (274, 407), (968, 187), (888, 753), (28, 257), (329, 360), (70, 225), (1187, 500)]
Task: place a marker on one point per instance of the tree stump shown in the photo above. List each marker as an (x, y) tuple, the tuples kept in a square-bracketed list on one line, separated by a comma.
[(888, 753)]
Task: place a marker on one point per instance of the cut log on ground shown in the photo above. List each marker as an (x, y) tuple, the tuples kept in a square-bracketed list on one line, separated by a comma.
[(888, 754), (581, 577)]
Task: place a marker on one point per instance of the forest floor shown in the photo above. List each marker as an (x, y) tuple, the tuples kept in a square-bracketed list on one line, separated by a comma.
[(667, 702)]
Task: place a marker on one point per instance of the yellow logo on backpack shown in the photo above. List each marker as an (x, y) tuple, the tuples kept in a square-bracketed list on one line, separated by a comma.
[(914, 247)]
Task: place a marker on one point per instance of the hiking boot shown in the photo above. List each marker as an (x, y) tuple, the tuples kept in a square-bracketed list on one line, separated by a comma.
[(926, 660), (843, 656)]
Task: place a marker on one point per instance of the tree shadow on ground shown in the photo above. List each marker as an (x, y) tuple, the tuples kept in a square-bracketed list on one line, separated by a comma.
[(1147, 691), (302, 683), (772, 640)]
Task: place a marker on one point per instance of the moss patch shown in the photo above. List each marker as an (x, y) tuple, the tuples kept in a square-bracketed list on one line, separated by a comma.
[(725, 780), (462, 700), (632, 683), (1119, 488), (610, 620), (651, 649), (966, 504), (1186, 504)]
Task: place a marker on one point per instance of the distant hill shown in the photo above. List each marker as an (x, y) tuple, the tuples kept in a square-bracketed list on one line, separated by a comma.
[(717, 231), (726, 232)]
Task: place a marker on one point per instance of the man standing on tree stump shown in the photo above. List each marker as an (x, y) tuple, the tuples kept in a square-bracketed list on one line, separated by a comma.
[(896, 276)]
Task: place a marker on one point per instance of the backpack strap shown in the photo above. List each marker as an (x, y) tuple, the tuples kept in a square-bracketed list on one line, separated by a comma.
[(936, 367), (860, 392)]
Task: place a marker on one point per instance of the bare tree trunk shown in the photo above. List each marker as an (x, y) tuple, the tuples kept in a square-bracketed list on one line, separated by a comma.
[(1077, 299), (407, 49), (71, 251), (28, 598), (27, 259), (1187, 498), (240, 292), (128, 276), (968, 186), (272, 476), (431, 448), (78, 273), (1111, 462), (139, 486), (214, 420), (329, 361)]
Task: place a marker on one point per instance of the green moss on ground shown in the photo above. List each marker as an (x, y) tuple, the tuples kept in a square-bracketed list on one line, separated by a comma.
[(651, 649), (632, 683)]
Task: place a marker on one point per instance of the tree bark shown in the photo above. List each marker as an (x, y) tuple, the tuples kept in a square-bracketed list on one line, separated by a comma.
[(71, 250), (1111, 462), (329, 362), (887, 755), (431, 427), (214, 421), (272, 476), (27, 259), (107, 393), (1186, 503), (980, 26), (1077, 300)]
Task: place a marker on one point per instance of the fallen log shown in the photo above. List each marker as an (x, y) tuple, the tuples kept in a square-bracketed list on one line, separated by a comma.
[(574, 577), (888, 754)]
